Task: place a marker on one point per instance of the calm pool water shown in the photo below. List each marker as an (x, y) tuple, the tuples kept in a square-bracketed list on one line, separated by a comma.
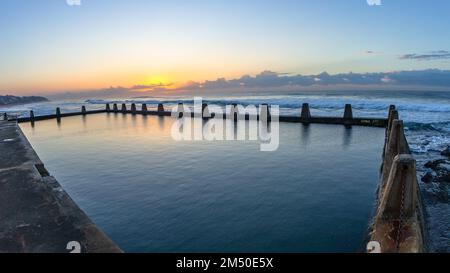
[(150, 193)]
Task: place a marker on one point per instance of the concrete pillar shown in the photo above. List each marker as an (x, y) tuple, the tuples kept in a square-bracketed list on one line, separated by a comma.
[(397, 144), (205, 111), (32, 115), (83, 110), (160, 107), (124, 108), (115, 108), (264, 112), (133, 108), (306, 114), (180, 110), (348, 113), (391, 107), (58, 113), (400, 194), (398, 224), (393, 115), (234, 112), (108, 109), (144, 109)]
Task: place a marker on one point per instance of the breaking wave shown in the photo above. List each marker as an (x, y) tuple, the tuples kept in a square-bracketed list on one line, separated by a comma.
[(358, 103), (442, 127)]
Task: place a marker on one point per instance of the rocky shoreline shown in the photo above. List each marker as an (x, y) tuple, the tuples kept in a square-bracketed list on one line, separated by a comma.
[(434, 174), (439, 169)]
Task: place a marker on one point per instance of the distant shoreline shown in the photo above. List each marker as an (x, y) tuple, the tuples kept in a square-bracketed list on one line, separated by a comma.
[(9, 100)]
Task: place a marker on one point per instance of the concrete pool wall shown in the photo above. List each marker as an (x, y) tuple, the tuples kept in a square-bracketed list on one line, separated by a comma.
[(397, 226), (399, 223), (37, 215)]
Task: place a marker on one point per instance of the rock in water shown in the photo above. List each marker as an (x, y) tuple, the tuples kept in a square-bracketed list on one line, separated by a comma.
[(434, 164), (443, 176), (446, 152), (427, 178)]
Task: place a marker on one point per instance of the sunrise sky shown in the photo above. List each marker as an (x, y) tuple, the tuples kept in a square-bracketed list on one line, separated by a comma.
[(50, 46)]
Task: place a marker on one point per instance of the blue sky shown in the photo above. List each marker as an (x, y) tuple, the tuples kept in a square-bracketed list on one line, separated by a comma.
[(49, 45)]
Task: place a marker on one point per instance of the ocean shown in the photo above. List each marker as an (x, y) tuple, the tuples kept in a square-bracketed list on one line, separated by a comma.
[(426, 116)]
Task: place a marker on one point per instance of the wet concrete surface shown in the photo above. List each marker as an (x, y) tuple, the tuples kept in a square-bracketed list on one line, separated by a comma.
[(36, 214)]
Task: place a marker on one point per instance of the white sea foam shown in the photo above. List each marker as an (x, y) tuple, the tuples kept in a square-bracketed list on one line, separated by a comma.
[(422, 113)]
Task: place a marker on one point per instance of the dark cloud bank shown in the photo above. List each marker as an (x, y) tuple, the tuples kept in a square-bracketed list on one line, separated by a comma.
[(434, 55), (268, 81)]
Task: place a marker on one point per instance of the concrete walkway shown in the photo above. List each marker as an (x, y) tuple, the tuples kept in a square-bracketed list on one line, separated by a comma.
[(36, 214)]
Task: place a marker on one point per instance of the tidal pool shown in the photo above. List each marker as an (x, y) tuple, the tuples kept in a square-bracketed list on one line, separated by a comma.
[(150, 193)]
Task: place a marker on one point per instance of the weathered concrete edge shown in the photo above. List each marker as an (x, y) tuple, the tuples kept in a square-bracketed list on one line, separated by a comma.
[(398, 170), (91, 239), (96, 240), (367, 122)]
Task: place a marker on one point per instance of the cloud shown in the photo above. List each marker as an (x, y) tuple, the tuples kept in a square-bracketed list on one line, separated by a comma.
[(374, 2), (150, 86), (268, 79), (386, 79), (372, 52), (274, 81), (434, 55)]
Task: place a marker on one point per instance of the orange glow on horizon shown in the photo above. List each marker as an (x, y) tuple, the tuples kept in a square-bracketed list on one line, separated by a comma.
[(91, 80), (159, 81)]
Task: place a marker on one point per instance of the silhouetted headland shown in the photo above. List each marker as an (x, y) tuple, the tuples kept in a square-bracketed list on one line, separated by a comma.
[(11, 100)]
